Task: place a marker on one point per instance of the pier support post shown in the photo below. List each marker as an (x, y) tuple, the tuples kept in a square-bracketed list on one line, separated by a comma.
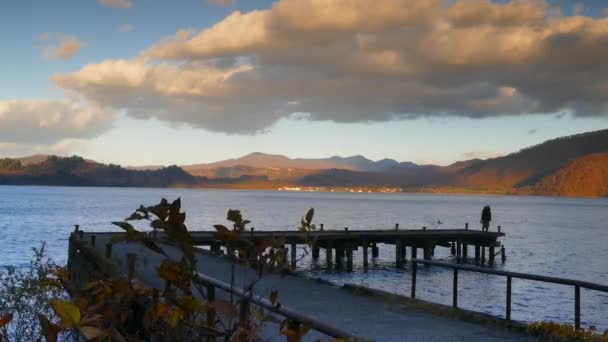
[(375, 250), (339, 256), (458, 250), (211, 311), (398, 252), (365, 262), (403, 250), (349, 256), (453, 248), (503, 253), (328, 252), (465, 250), (483, 255), (477, 253), (427, 253), (414, 252), (491, 255), (315, 252), (293, 256)]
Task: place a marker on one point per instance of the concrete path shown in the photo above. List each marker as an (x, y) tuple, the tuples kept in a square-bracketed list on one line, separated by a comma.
[(362, 315)]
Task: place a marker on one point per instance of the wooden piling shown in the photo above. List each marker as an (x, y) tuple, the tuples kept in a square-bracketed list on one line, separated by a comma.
[(465, 250), (458, 250), (426, 254), (483, 254), (349, 256), (453, 248), (491, 255), (365, 261), (477, 252), (503, 253), (339, 256), (375, 250), (328, 252), (399, 252), (315, 252), (293, 256), (414, 252)]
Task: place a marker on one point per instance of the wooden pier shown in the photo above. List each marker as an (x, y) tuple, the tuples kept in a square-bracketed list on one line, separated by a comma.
[(340, 244), (330, 311)]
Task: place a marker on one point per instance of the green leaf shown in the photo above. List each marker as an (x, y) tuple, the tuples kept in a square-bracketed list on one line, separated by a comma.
[(126, 226), (234, 216), (67, 312), (309, 215)]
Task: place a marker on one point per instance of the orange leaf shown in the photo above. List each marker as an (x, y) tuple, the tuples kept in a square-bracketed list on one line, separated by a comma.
[(225, 308), (6, 319), (273, 297), (49, 330)]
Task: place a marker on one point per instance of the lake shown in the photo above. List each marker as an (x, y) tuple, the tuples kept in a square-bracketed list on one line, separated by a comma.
[(563, 237)]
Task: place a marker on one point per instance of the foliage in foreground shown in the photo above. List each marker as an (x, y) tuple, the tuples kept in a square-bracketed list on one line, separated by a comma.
[(25, 295), (114, 307), (556, 332)]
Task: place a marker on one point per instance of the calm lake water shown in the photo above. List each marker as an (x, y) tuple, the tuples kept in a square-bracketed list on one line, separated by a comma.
[(561, 237)]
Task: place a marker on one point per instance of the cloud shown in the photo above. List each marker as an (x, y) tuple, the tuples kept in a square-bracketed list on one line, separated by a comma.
[(116, 3), (60, 148), (222, 3), (578, 8), (39, 122), (356, 62), (480, 155), (65, 47), (126, 28)]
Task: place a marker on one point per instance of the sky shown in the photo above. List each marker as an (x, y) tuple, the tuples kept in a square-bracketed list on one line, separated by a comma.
[(149, 82)]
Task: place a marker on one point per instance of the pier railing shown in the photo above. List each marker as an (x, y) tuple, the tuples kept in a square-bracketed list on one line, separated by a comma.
[(295, 319), (509, 275)]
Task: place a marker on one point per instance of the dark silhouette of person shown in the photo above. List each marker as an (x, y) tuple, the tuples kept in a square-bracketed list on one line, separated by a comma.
[(486, 217)]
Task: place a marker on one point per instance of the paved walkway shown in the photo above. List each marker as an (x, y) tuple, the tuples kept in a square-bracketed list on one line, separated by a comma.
[(362, 315)]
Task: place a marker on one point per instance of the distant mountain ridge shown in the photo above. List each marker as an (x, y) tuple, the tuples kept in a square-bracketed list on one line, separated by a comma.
[(263, 160), (569, 166), (546, 168)]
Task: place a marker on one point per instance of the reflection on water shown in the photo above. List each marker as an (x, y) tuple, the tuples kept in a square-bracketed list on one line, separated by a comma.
[(550, 236)]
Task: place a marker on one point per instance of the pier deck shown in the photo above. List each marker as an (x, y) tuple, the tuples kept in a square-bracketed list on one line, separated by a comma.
[(363, 315), (340, 244)]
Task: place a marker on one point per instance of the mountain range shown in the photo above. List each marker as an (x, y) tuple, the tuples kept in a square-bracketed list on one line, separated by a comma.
[(575, 165)]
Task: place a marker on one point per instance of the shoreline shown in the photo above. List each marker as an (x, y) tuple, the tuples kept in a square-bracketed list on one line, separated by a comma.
[(315, 189)]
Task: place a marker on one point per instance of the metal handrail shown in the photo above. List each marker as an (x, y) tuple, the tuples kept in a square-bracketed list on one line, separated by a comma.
[(510, 275), (277, 308)]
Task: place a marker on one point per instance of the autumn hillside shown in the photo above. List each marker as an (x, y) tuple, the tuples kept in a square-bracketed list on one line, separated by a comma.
[(585, 176)]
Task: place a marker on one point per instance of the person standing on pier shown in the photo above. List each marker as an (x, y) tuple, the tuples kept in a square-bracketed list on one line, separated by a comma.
[(486, 217)]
